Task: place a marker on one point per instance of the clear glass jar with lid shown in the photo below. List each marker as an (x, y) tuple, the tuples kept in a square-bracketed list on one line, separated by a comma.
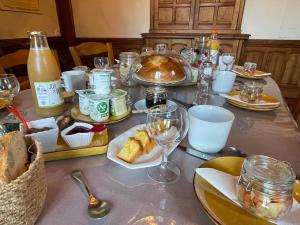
[(156, 95), (126, 60), (265, 187)]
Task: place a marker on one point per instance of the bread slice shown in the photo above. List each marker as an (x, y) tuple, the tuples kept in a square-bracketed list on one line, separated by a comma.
[(13, 156), (131, 150), (147, 143)]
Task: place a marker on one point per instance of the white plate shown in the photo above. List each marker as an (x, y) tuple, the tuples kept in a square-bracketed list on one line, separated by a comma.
[(153, 158), (141, 104)]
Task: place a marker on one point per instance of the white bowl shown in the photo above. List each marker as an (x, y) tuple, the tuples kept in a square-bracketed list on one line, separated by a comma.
[(209, 127), (79, 139), (48, 138)]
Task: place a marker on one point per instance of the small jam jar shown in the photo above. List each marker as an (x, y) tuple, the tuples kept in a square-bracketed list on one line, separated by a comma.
[(155, 96), (265, 187), (252, 91)]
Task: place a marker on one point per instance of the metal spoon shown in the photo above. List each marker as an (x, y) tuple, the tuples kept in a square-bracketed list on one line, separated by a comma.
[(97, 208)]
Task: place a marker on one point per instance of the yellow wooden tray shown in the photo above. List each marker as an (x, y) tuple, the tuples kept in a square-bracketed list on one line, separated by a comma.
[(266, 98), (76, 115), (63, 151), (258, 74)]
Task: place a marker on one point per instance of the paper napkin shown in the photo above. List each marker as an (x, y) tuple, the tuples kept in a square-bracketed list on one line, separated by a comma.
[(225, 183)]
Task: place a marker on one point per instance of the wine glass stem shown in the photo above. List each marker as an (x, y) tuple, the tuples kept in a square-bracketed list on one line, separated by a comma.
[(164, 156)]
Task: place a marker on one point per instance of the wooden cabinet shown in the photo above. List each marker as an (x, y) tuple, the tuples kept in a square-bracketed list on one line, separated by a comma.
[(193, 15), (178, 23)]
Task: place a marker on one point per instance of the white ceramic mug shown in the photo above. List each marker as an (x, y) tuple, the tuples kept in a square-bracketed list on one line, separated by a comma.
[(73, 80), (223, 81), (209, 127), (101, 81)]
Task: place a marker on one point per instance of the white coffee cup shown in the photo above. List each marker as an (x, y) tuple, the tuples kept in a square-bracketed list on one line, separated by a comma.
[(209, 127), (101, 81), (73, 80), (223, 81)]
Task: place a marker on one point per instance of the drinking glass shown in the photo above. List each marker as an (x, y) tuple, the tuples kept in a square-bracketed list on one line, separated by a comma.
[(227, 59), (167, 126), (9, 88), (205, 84), (101, 62)]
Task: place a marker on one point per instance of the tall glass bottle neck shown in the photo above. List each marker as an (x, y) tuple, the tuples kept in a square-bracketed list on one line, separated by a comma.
[(38, 41)]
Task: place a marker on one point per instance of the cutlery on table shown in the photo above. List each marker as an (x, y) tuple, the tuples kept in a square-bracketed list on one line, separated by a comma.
[(97, 208)]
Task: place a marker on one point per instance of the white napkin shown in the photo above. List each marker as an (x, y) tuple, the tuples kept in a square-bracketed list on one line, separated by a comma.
[(225, 183), (237, 98)]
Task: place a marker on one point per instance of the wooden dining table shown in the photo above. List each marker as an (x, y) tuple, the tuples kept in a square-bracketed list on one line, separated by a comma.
[(135, 198)]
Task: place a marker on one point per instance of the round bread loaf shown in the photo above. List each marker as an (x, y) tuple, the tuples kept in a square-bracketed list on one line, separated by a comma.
[(161, 69)]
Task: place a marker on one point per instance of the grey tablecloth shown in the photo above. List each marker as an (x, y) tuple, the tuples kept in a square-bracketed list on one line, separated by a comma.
[(138, 200)]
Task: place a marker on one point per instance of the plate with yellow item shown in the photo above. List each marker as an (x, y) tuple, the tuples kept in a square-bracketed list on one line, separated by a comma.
[(239, 70), (220, 208), (133, 150), (275, 103)]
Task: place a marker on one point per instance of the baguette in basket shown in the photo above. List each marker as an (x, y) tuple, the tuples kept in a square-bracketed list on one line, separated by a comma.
[(23, 184)]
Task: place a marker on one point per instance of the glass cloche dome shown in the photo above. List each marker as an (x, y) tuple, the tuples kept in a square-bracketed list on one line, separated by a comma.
[(161, 68)]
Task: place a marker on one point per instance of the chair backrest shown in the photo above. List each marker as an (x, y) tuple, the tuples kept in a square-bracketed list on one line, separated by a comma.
[(14, 59), (91, 48), (296, 111), (17, 58)]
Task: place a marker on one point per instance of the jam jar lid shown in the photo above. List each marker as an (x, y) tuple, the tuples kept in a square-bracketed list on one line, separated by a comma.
[(268, 173), (157, 90)]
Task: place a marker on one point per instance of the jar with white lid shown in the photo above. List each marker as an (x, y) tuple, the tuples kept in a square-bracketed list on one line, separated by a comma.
[(265, 187)]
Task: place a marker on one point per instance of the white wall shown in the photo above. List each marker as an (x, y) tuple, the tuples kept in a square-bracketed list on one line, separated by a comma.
[(111, 18), (272, 19), (16, 24), (263, 19)]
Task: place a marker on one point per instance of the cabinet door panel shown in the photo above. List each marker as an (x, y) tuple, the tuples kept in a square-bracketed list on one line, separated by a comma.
[(173, 14), (220, 14), (165, 1), (206, 15), (225, 15), (165, 15), (182, 15), (184, 1)]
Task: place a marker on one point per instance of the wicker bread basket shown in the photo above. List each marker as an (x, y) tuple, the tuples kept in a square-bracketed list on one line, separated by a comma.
[(22, 200)]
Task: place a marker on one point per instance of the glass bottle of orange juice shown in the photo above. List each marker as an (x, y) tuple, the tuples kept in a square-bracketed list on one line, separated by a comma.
[(214, 47), (44, 77)]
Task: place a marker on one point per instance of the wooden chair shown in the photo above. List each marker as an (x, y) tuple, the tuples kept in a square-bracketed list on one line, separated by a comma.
[(296, 111), (17, 58), (91, 48)]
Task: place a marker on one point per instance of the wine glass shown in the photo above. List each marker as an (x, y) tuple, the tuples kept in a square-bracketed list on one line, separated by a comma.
[(167, 126), (227, 59), (9, 88), (101, 62)]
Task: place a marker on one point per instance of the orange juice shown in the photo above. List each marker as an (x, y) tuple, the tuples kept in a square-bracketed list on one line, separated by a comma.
[(44, 77)]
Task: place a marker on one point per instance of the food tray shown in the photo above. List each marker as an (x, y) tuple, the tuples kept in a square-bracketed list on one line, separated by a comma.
[(63, 151)]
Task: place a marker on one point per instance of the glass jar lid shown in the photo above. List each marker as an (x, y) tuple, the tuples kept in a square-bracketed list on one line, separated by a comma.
[(132, 55), (157, 90), (268, 173)]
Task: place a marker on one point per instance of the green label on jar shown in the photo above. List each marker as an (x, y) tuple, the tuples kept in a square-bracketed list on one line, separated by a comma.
[(102, 107)]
